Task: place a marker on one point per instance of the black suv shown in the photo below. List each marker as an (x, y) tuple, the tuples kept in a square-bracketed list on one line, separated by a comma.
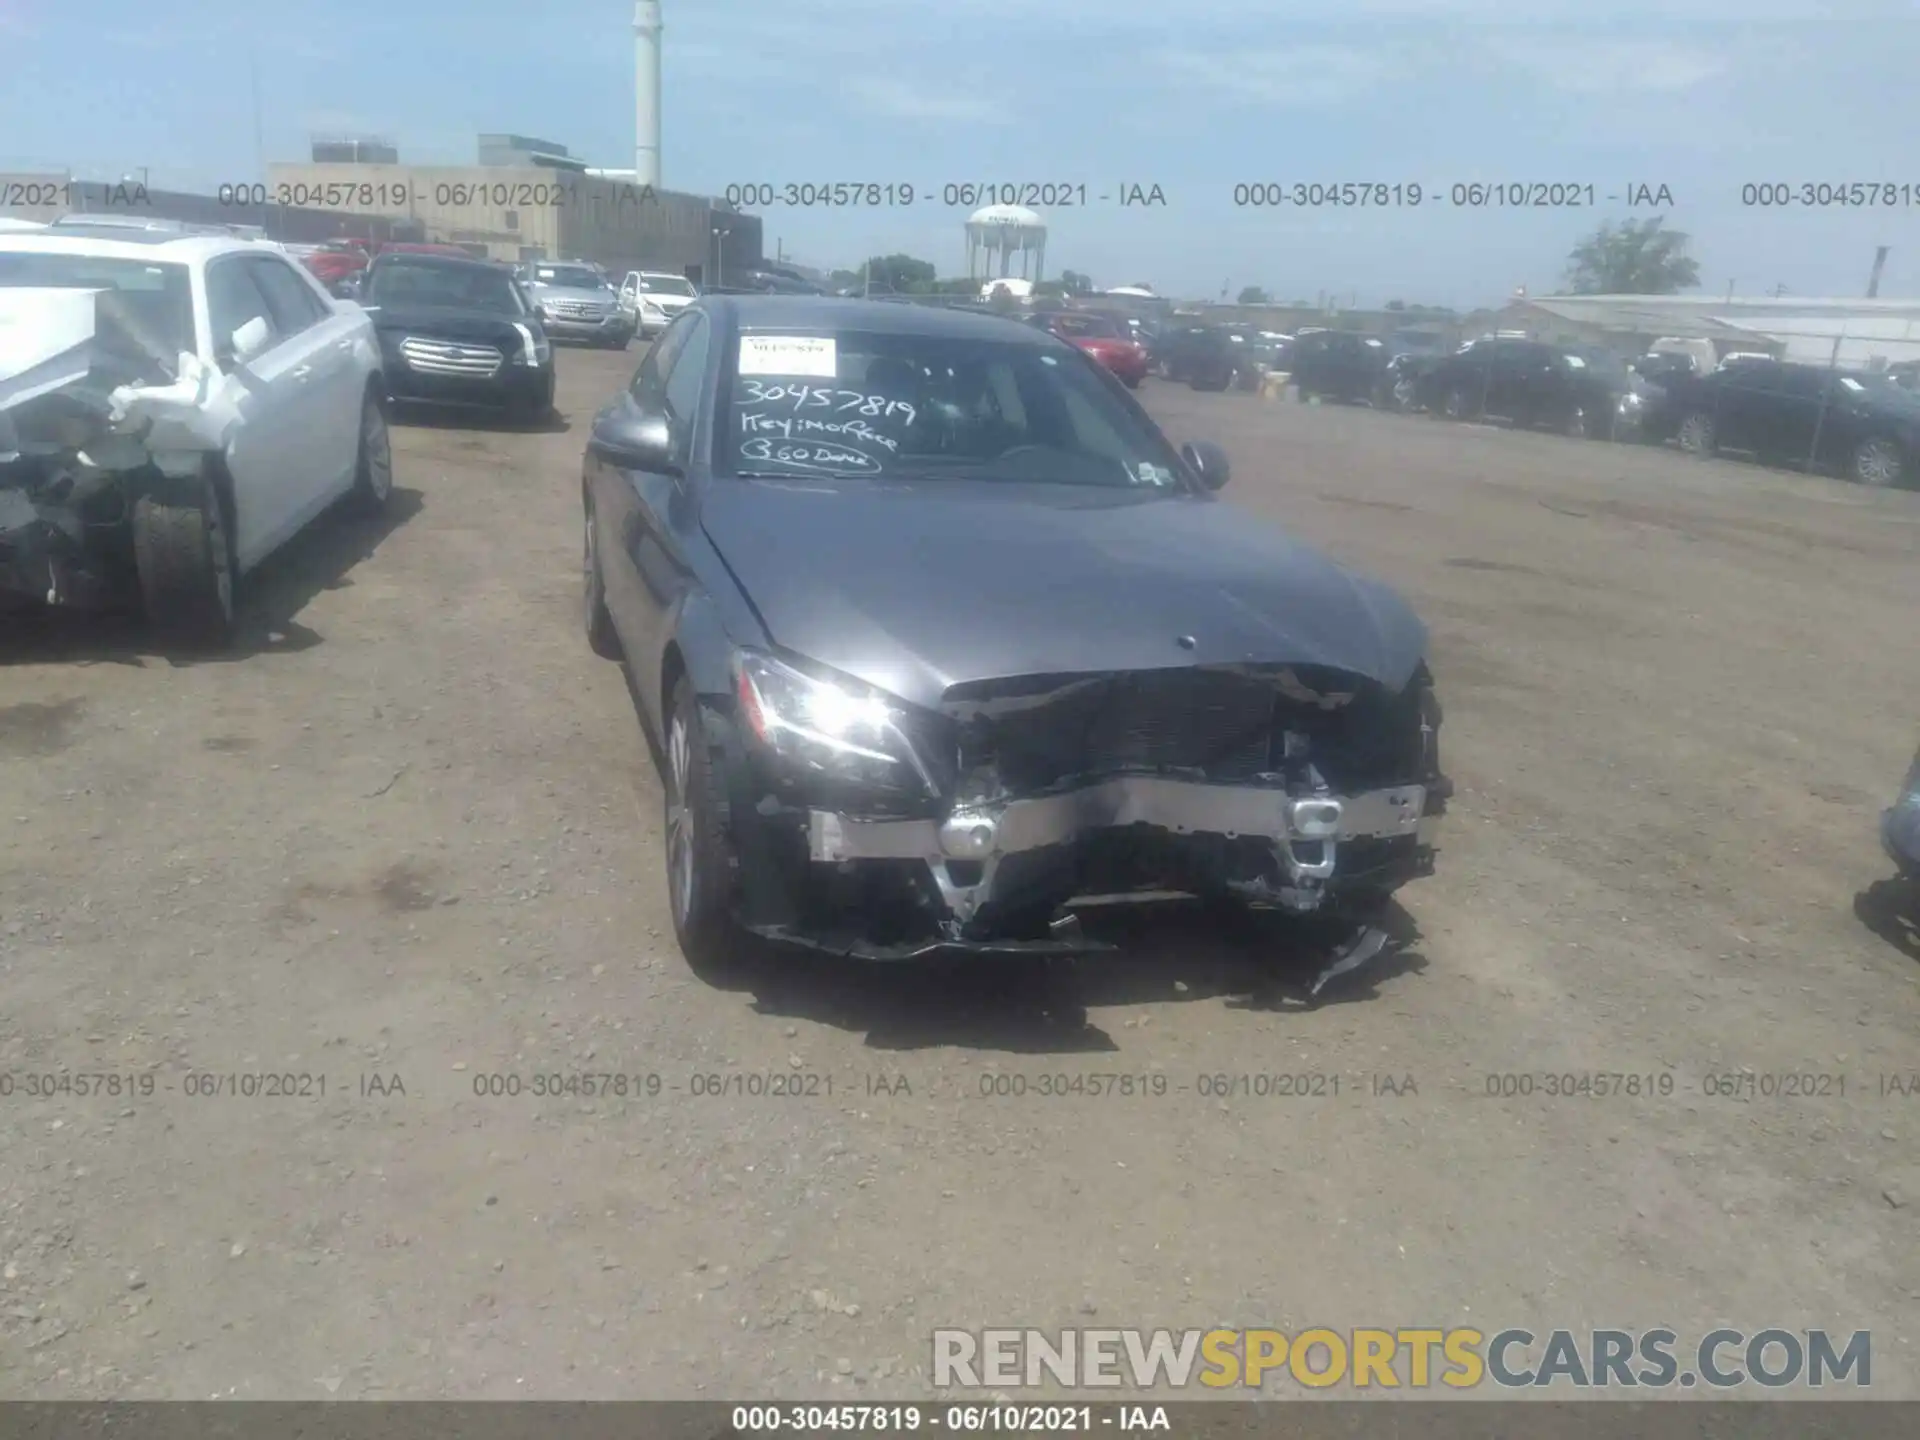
[(1864, 425), (1338, 365), (1526, 382)]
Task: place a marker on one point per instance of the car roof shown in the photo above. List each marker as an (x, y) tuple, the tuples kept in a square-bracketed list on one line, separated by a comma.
[(834, 312), (131, 244)]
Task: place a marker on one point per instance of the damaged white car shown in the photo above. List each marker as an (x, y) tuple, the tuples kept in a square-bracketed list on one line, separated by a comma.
[(174, 407)]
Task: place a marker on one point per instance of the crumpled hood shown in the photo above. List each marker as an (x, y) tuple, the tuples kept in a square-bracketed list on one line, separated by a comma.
[(51, 350), (917, 586)]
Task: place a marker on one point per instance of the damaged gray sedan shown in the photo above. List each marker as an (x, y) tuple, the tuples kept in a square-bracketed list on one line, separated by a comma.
[(939, 637)]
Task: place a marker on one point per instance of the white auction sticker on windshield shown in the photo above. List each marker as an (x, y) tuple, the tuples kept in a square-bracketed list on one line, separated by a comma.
[(789, 355)]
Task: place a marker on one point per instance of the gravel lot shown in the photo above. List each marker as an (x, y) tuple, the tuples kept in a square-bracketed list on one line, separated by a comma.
[(406, 839)]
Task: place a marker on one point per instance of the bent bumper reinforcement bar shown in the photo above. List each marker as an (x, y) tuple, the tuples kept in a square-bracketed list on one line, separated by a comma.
[(1305, 831)]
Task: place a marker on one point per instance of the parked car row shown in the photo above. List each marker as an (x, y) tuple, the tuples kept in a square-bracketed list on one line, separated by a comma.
[(1860, 424)]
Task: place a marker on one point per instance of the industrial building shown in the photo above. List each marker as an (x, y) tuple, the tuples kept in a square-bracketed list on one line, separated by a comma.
[(530, 199), (1853, 333)]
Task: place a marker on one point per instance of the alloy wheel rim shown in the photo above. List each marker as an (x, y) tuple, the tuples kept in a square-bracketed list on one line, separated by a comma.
[(679, 821), (379, 453), (1693, 434), (1877, 466)]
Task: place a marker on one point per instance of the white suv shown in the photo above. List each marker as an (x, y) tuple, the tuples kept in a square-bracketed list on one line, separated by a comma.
[(209, 380), (653, 298)]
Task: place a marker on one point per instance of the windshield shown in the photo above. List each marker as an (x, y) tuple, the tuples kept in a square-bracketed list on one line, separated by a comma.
[(567, 277), (666, 285), (144, 311), (890, 406), (450, 287)]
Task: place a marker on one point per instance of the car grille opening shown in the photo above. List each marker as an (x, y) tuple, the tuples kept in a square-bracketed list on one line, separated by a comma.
[(1223, 725), (441, 357)]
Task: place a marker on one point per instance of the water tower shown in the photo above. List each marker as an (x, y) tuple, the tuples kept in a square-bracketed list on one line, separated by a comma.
[(996, 234)]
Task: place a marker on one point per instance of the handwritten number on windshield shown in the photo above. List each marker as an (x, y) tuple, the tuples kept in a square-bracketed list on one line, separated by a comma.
[(829, 459), (814, 397)]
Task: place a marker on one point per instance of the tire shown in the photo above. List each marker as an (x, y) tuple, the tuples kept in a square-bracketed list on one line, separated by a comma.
[(1578, 424), (1132, 382), (1458, 405), (1877, 462), (602, 638), (536, 411), (183, 556), (700, 862), (373, 472), (1697, 434), (1404, 393), (1302, 394)]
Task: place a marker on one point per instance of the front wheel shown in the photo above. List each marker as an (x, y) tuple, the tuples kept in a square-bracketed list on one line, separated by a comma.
[(183, 557), (701, 866), (1132, 382), (602, 638), (1458, 405), (1578, 424), (1697, 435), (373, 473), (1878, 463)]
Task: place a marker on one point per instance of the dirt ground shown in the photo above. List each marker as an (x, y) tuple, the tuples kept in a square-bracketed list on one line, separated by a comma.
[(406, 842)]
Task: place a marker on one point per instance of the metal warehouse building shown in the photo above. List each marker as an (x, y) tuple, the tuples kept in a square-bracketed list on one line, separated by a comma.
[(529, 199), (1858, 334)]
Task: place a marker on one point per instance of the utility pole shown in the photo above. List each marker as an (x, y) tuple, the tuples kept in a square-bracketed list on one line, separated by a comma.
[(1879, 264)]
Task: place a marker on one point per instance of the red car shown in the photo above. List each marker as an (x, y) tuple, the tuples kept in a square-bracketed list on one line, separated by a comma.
[(335, 261), (1103, 339)]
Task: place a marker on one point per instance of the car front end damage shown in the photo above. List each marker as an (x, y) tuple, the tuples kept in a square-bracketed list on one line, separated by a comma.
[(870, 829), (90, 420)]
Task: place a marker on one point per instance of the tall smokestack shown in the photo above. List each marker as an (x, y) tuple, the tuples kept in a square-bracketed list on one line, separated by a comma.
[(646, 87)]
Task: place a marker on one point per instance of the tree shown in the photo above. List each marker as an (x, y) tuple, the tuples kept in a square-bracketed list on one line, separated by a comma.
[(1632, 258), (1398, 305), (899, 272), (1003, 301), (1075, 283), (1254, 295)]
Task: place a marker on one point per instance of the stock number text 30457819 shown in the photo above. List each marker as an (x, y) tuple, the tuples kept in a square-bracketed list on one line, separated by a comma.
[(801, 396)]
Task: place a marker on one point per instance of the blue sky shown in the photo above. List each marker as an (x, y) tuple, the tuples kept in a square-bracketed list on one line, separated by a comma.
[(1192, 95)]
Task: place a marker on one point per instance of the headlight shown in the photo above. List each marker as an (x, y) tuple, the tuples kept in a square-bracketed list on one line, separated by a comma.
[(534, 350), (840, 731)]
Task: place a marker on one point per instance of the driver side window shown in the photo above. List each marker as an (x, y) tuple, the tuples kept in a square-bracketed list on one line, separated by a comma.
[(647, 387), (681, 388)]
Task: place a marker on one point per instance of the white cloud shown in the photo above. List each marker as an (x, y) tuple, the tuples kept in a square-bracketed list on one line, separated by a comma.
[(907, 101), (1300, 75), (1608, 67)]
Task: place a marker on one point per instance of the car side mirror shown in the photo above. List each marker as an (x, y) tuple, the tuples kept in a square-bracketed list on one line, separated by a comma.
[(634, 439), (249, 340), (1208, 461)]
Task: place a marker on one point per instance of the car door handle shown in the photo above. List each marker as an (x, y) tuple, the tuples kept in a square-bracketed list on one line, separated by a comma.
[(301, 372)]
